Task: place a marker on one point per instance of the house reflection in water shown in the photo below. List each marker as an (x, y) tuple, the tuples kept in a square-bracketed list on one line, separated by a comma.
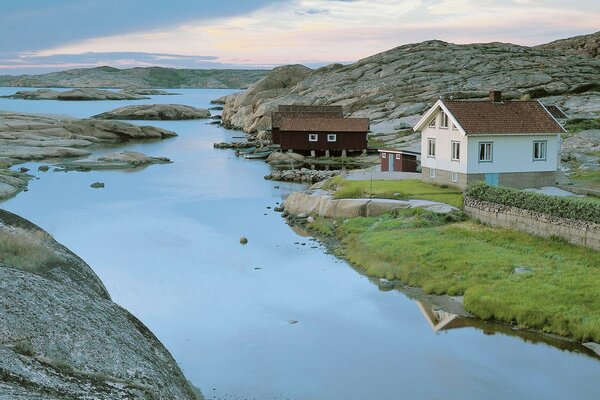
[(440, 320)]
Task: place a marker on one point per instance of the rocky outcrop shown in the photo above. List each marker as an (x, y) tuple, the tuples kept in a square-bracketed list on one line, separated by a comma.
[(27, 137), (250, 110), (587, 45), (75, 95), (152, 77), (322, 204), (156, 112), (62, 336), (148, 92), (121, 160), (395, 87), (11, 182)]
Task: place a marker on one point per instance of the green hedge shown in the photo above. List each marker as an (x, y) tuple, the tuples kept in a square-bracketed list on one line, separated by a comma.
[(564, 207)]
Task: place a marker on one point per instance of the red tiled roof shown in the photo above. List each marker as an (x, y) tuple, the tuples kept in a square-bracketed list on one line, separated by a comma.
[(486, 117), (325, 124), (278, 116), (302, 108)]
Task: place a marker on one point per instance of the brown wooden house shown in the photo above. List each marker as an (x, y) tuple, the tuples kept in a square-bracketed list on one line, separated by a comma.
[(300, 111), (321, 130), (323, 135), (398, 160)]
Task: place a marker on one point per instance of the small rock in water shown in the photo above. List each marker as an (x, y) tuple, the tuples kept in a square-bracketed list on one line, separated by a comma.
[(43, 168), (257, 268), (276, 187), (385, 284), (278, 209), (522, 270), (292, 322), (23, 170), (243, 240), (97, 185)]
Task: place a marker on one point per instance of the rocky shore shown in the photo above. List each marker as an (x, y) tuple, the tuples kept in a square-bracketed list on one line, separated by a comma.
[(158, 112), (75, 95), (63, 337), (302, 175)]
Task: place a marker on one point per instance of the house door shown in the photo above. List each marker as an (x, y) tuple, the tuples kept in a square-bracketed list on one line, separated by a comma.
[(492, 179), (391, 162)]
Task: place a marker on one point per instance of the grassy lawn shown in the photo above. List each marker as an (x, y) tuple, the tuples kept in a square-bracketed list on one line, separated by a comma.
[(561, 295), (396, 189)]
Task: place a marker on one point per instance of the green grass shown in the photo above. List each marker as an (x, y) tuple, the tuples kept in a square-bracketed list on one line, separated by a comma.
[(581, 124), (25, 252), (394, 189), (433, 251)]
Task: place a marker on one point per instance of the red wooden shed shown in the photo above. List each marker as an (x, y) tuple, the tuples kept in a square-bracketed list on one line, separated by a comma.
[(398, 160)]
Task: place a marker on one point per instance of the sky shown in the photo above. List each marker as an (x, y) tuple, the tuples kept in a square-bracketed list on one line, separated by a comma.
[(48, 35)]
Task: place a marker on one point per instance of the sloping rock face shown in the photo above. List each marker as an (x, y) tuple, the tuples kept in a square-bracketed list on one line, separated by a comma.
[(587, 45), (62, 336), (250, 110), (28, 137), (152, 77), (75, 95), (162, 112), (394, 88)]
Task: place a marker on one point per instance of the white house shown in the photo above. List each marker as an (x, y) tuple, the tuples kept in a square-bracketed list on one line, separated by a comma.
[(508, 143)]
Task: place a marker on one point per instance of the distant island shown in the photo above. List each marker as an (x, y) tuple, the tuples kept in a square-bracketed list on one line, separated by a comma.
[(150, 77)]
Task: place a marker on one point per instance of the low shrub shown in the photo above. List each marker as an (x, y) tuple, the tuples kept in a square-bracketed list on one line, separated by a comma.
[(563, 207)]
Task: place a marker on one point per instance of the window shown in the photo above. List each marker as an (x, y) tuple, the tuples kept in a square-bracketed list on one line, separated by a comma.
[(432, 172), (313, 137), (539, 150), (444, 120), (331, 137), (397, 156), (383, 155), (485, 152), (431, 147), (432, 123), (455, 151), (455, 177)]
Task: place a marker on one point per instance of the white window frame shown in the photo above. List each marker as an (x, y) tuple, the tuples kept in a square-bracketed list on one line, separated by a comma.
[(432, 172), (432, 123), (444, 120), (313, 137), (454, 177), (383, 155), (455, 144), (490, 153), (331, 137), (398, 156), (543, 149), (430, 142)]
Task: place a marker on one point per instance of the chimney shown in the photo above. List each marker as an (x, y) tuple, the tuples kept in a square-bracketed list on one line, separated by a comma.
[(495, 96)]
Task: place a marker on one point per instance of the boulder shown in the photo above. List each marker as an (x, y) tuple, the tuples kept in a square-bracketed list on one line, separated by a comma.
[(75, 95)]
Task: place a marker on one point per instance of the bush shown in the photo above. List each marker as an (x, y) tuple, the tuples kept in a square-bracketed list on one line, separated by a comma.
[(563, 207), (24, 347)]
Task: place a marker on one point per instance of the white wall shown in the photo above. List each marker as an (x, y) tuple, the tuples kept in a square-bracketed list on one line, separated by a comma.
[(443, 148), (512, 154)]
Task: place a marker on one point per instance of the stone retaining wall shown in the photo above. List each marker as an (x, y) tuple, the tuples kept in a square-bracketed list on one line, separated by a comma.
[(574, 231)]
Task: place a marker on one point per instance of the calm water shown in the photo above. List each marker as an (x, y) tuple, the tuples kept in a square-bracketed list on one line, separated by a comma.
[(165, 241)]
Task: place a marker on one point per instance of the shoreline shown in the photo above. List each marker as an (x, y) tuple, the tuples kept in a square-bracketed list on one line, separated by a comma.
[(444, 302)]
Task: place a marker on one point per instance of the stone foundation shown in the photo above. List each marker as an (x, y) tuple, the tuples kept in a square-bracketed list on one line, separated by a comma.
[(518, 180)]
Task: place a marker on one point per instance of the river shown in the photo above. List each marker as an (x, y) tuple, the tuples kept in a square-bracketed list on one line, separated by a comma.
[(278, 318)]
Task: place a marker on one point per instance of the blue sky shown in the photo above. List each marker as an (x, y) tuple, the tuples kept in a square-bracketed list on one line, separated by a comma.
[(44, 35)]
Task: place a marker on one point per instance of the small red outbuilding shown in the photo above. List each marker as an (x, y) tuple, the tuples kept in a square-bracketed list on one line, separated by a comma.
[(398, 160)]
